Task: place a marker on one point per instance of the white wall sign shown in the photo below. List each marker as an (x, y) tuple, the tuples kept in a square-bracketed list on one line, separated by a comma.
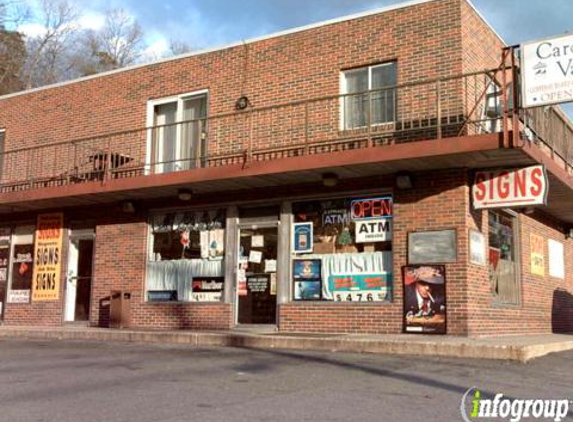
[(377, 230), (556, 259), (547, 71), (19, 296), (510, 188), (477, 247)]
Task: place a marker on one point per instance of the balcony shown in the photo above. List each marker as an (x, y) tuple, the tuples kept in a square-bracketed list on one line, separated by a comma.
[(427, 117)]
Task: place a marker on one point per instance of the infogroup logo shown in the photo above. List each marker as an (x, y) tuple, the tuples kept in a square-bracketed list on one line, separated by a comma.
[(475, 407)]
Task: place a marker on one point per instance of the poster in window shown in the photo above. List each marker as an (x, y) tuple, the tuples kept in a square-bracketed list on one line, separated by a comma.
[(48, 255), (302, 239), (361, 287), (22, 267), (307, 290), (4, 259), (207, 289), (537, 256), (424, 299), (477, 247), (432, 247), (307, 269)]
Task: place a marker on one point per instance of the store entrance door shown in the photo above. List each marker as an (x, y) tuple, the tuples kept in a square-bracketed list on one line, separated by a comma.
[(79, 279), (257, 275)]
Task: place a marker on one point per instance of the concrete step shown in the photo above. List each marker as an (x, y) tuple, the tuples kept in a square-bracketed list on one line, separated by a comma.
[(514, 348)]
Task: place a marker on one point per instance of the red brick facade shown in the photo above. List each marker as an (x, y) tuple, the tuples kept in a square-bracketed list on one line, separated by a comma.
[(429, 40)]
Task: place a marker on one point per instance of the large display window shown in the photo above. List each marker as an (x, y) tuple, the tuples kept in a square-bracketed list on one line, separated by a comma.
[(342, 249), (186, 256), (21, 264)]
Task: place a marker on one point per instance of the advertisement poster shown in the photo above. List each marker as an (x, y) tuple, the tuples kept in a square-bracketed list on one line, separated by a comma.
[(207, 289), (424, 299), (477, 247), (537, 256), (48, 255), (22, 265), (361, 287), (302, 241), (307, 276)]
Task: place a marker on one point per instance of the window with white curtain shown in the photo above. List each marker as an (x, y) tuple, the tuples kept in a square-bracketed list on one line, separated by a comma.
[(177, 140), (186, 256), (369, 95)]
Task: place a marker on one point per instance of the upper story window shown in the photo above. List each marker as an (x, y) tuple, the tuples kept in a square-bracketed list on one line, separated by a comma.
[(369, 95), (177, 140)]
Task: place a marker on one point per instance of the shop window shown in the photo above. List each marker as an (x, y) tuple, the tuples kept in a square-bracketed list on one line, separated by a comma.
[(177, 140), (342, 250), (21, 264), (369, 96), (186, 256), (503, 258)]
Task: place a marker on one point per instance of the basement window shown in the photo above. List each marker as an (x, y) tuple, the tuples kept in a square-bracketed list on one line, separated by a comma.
[(369, 96)]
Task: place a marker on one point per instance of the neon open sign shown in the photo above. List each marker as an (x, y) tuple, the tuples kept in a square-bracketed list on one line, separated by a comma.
[(369, 208)]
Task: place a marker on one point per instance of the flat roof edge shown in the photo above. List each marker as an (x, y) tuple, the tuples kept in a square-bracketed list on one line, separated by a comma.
[(303, 28)]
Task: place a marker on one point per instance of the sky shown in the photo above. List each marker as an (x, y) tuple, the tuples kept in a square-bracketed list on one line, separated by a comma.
[(209, 23)]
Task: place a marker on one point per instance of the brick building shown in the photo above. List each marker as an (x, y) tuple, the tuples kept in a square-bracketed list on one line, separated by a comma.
[(318, 179)]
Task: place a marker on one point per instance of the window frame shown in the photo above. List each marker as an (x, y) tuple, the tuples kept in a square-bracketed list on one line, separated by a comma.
[(518, 270), (150, 122), (345, 94)]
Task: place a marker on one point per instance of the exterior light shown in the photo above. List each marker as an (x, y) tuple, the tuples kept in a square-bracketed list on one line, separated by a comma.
[(330, 179), (128, 207), (185, 194), (404, 180)]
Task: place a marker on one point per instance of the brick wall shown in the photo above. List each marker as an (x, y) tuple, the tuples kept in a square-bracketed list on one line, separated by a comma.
[(424, 39)]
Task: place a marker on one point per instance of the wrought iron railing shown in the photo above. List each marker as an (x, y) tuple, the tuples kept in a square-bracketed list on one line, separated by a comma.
[(431, 109)]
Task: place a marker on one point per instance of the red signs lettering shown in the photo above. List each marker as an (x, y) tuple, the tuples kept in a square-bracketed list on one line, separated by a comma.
[(364, 209), (510, 188)]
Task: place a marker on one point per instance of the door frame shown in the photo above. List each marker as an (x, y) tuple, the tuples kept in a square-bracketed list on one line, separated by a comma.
[(263, 224), (78, 234)]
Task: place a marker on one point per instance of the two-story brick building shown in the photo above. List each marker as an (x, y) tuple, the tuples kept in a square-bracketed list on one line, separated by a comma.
[(318, 179)]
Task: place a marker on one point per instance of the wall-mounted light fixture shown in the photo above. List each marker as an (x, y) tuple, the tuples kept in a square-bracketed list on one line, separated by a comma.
[(404, 180), (185, 194), (330, 179), (128, 207)]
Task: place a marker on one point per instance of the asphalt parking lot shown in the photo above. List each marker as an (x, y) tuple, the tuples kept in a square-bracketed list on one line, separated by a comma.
[(105, 381)]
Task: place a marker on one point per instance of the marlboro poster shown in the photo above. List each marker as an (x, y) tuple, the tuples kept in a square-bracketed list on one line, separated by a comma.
[(47, 257), (424, 299)]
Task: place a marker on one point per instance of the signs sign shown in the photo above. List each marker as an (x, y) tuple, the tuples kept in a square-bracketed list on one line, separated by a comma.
[(374, 230), (510, 188), (537, 256), (47, 257), (547, 69)]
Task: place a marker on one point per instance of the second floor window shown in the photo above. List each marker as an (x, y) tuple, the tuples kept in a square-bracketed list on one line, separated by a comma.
[(177, 138), (369, 95)]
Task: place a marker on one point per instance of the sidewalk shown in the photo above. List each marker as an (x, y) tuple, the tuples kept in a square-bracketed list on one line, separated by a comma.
[(515, 348)]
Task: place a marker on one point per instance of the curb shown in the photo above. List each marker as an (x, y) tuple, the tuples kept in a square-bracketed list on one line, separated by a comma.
[(464, 349)]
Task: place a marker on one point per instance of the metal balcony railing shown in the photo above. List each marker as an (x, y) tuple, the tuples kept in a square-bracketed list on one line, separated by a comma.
[(432, 109)]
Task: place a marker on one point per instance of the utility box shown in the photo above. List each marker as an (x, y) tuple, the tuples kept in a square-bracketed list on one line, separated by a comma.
[(120, 309)]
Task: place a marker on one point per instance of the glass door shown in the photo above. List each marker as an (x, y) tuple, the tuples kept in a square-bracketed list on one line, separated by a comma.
[(257, 275)]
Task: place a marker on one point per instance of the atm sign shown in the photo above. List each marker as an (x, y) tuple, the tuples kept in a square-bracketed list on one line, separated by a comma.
[(370, 208), (510, 188)]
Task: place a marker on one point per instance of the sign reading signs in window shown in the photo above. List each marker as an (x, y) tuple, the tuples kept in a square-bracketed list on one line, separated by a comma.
[(510, 188), (547, 69), (47, 257)]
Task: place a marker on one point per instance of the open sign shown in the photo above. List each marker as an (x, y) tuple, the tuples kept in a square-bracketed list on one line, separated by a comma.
[(365, 209), (510, 188)]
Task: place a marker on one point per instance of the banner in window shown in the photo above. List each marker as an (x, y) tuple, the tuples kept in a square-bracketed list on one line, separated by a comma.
[(424, 299), (47, 257), (207, 289), (361, 287)]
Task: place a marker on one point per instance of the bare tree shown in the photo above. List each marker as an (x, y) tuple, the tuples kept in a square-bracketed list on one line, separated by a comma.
[(177, 47), (118, 43), (45, 62), (12, 58)]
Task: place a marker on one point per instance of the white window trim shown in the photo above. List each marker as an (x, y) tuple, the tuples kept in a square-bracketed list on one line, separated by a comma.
[(151, 104), (344, 91)]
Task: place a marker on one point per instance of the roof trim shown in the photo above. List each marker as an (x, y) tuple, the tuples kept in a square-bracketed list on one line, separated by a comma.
[(227, 46)]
